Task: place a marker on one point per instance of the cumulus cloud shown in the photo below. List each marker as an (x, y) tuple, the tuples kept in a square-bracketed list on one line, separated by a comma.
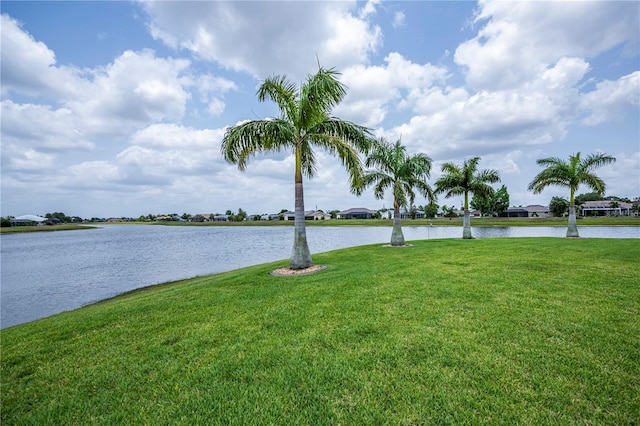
[(519, 39), (266, 38), (399, 19), (374, 90), (138, 88), (611, 97), (169, 135)]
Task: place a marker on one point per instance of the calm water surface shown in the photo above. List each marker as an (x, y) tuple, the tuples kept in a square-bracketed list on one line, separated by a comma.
[(45, 273)]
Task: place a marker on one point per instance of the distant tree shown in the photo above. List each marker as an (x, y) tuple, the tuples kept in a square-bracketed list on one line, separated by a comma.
[(500, 201), (242, 215), (449, 212), (431, 210), (186, 216), (58, 215), (413, 212), (465, 179), (571, 174), (558, 206), (334, 214), (393, 169), (491, 204), (482, 203)]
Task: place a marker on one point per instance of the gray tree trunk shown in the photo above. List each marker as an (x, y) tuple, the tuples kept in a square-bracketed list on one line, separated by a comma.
[(300, 254), (572, 230), (466, 225), (397, 237)]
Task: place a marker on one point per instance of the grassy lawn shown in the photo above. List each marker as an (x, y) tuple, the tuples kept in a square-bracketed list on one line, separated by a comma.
[(44, 228), (522, 331)]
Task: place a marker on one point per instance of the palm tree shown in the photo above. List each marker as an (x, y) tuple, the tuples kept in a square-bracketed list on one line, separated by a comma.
[(304, 122), (402, 173), (464, 180), (571, 174)]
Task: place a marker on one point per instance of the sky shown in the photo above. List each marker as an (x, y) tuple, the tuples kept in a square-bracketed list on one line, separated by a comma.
[(117, 109)]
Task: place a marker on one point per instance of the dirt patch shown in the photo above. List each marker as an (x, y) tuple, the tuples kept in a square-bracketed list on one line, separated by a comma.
[(401, 246), (288, 272)]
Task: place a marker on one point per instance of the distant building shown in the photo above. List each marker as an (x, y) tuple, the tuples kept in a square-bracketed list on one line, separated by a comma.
[(316, 215), (404, 214), (288, 215), (533, 210), (604, 208), (357, 213), (536, 210), (514, 212)]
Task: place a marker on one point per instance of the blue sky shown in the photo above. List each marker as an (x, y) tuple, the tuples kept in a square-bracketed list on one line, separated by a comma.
[(118, 108)]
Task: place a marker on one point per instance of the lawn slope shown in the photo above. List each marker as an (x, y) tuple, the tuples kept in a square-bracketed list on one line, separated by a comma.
[(489, 331)]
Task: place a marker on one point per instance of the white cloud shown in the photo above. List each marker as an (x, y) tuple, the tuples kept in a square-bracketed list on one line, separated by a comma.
[(519, 39), (40, 127), (374, 90), (622, 178), (136, 89), (611, 97), (31, 160), (399, 19), (29, 66), (285, 37), (166, 135)]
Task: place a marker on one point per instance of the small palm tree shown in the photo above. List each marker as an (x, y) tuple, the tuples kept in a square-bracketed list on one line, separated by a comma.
[(464, 180), (401, 172), (571, 174), (304, 123)]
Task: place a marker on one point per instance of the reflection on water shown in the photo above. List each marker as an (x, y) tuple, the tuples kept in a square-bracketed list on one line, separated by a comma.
[(49, 272)]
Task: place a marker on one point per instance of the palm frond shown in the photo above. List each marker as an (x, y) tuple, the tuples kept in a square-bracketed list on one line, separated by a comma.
[(241, 142), (570, 174), (595, 161), (281, 91)]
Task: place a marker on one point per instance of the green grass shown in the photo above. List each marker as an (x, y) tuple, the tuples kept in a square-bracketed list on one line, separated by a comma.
[(524, 331), (43, 228)]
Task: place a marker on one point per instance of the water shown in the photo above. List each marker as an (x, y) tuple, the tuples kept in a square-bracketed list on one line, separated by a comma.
[(45, 273)]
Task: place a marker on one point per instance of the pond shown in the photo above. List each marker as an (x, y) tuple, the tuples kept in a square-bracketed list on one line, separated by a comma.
[(45, 273)]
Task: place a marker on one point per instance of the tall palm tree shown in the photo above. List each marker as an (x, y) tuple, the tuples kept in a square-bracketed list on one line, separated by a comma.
[(463, 180), (304, 122), (401, 172), (571, 174)]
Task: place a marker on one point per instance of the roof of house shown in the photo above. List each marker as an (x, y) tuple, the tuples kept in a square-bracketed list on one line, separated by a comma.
[(357, 210), (605, 204), (29, 218), (536, 207)]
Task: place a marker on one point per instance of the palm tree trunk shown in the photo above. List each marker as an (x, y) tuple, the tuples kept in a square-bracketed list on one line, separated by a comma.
[(397, 237), (466, 220), (572, 230), (300, 254)]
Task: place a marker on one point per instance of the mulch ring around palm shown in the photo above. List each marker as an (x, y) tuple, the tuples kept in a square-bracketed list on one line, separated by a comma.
[(398, 246), (288, 272)]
